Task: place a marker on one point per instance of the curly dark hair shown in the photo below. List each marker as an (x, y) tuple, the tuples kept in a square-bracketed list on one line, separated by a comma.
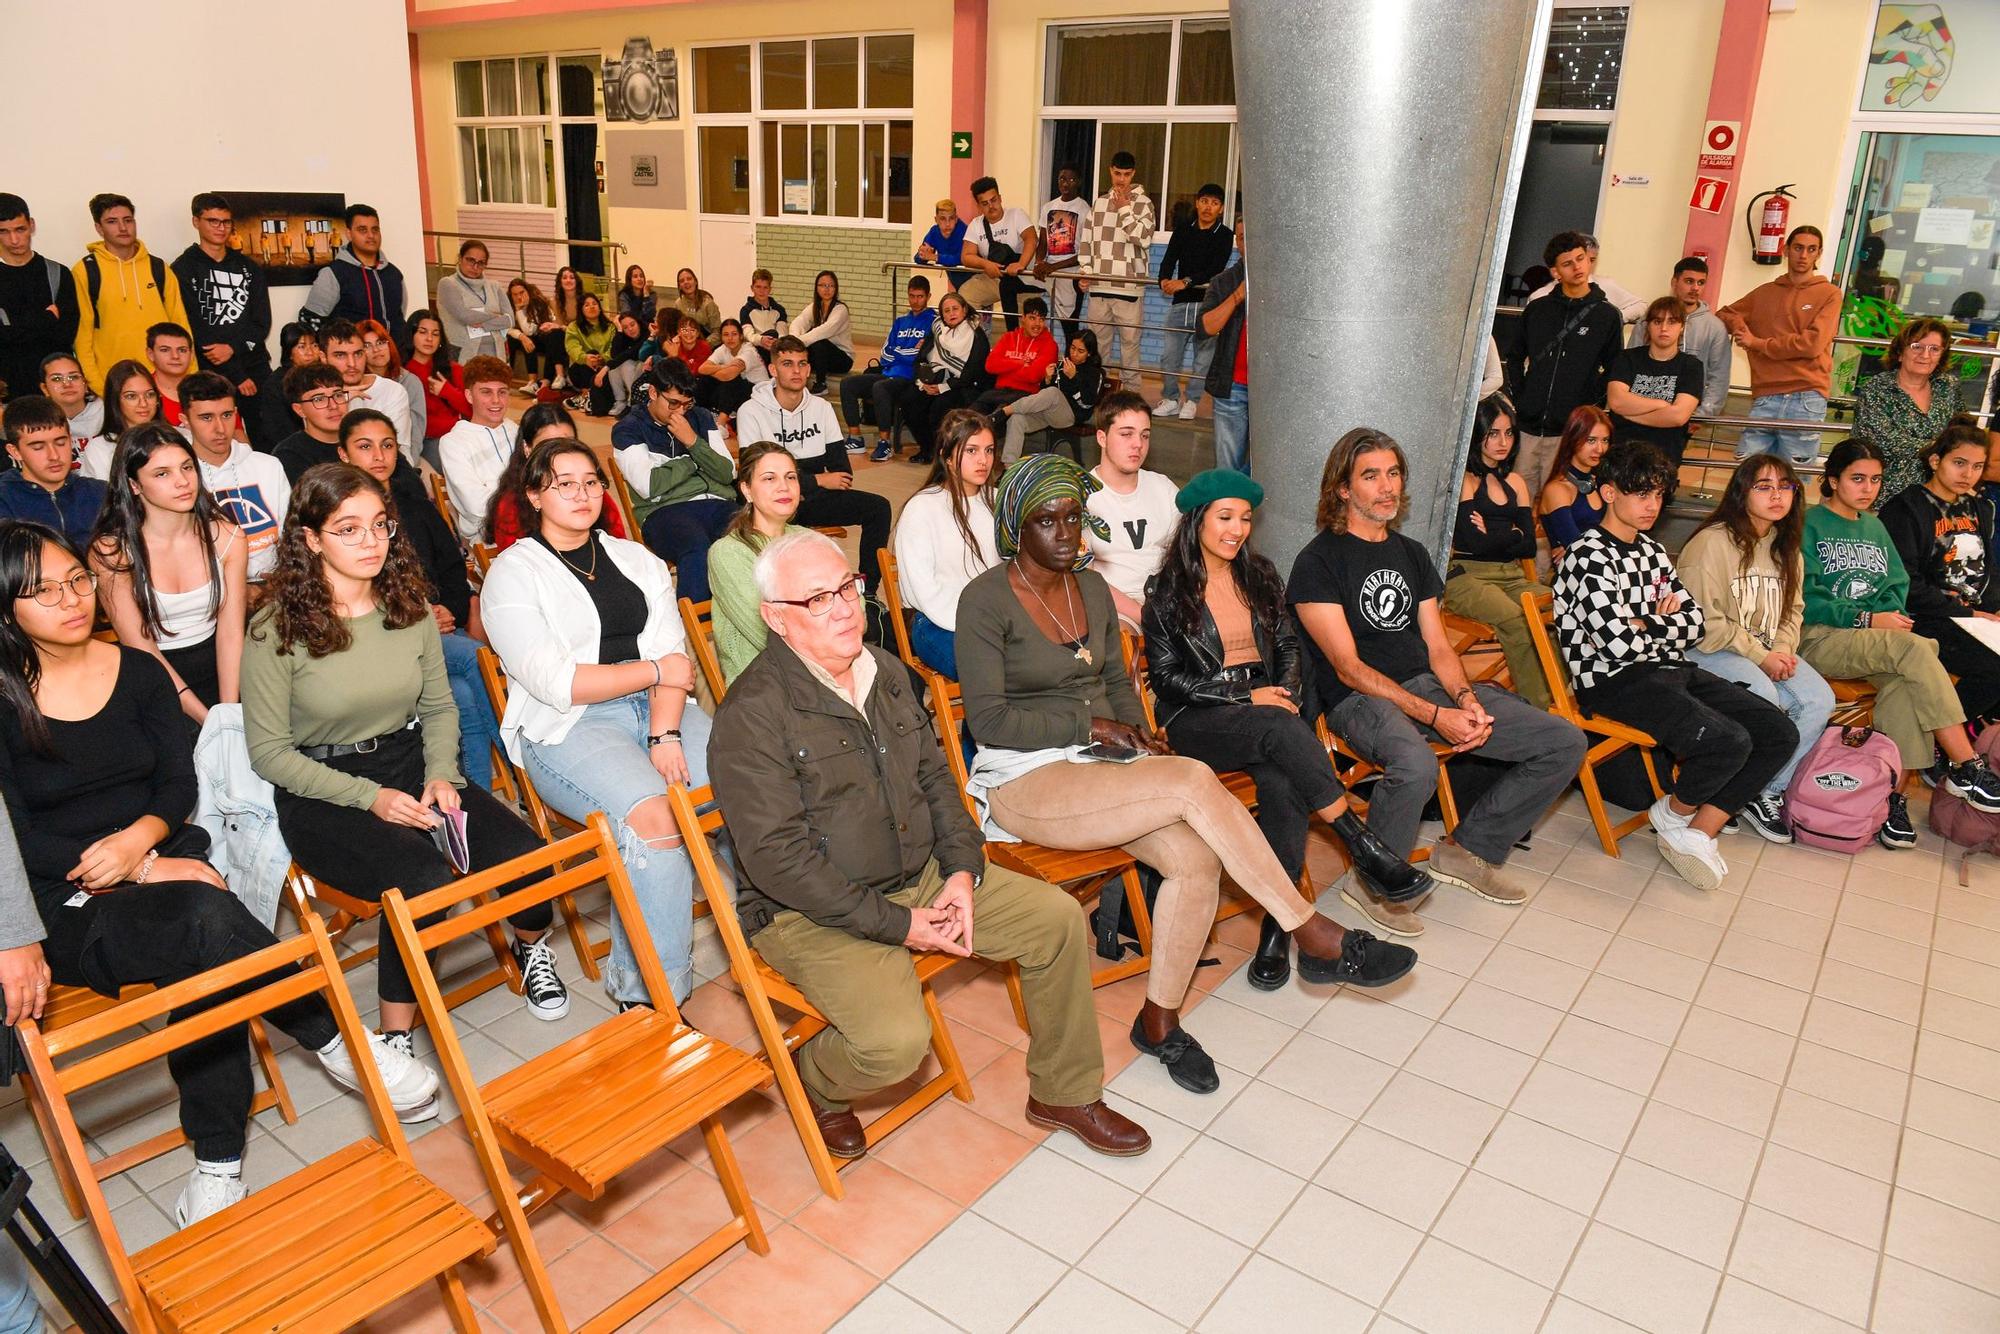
[(298, 601), (1180, 589)]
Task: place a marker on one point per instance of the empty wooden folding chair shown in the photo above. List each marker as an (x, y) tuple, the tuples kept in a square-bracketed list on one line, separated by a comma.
[(1607, 738), (698, 618), (892, 597), (584, 1112), (322, 1249), (764, 986), (70, 1005)]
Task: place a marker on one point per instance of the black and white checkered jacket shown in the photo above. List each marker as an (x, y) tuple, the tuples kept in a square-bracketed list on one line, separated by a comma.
[(1117, 242), (1605, 592)]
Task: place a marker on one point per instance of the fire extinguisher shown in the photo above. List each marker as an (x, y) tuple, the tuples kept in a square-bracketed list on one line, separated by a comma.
[(1767, 235)]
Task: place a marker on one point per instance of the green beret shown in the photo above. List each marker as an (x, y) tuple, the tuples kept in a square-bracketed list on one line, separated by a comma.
[(1218, 484)]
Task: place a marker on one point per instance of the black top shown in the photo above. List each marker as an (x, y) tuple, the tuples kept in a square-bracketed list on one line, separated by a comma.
[(1197, 255), (1082, 389), (1664, 380), (133, 759), (1948, 550), (432, 539), (1569, 343), (299, 451), (621, 607), (1379, 586), (1510, 528)]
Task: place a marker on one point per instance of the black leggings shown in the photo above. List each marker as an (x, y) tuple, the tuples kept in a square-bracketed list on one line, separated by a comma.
[(1279, 750), (821, 507), (922, 412), (722, 395), (828, 359), (365, 857), (167, 932), (197, 667), (1729, 743), (1976, 666)]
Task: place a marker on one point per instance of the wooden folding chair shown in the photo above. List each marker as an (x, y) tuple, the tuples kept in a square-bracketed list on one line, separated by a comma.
[(763, 986), (1853, 703), (699, 620), (70, 1005), (479, 556), (1477, 646), (1083, 875), (322, 1249), (1607, 738), (585, 1112), (441, 497), (892, 596), (621, 496), (302, 888)]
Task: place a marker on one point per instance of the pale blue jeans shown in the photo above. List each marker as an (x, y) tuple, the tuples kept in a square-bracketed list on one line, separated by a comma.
[(1798, 446), (1806, 699), (602, 766), (1184, 327)]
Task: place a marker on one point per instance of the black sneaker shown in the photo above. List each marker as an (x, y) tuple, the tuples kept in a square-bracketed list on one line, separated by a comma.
[(623, 1006), (855, 445), (1897, 832), (1364, 962), (544, 992), (1979, 785), (1766, 815), (1187, 1064), (882, 452), (1935, 775)]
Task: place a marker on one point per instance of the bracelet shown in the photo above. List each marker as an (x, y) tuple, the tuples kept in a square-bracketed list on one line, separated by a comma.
[(1436, 711), (656, 673), (183, 690), (146, 866), (672, 734)]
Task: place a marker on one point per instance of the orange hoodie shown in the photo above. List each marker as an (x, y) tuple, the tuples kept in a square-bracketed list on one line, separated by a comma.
[(1790, 326)]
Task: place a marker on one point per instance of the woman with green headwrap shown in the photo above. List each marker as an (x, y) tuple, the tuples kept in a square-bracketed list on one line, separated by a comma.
[(1064, 760)]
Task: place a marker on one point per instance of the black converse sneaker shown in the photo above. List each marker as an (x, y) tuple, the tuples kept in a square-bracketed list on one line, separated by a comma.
[(1766, 816), (1897, 832), (545, 993), (1972, 780)]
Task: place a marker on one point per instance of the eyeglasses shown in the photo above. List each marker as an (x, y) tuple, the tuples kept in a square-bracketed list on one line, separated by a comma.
[(64, 377), (138, 395), (475, 263), (1774, 488), (326, 399), (350, 534), (50, 592), (575, 488), (1923, 350), (819, 604)]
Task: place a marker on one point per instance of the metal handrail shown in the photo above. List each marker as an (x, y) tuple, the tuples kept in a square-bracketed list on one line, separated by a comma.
[(436, 262)]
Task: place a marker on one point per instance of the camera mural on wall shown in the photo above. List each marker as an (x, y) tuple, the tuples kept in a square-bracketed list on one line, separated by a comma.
[(642, 84)]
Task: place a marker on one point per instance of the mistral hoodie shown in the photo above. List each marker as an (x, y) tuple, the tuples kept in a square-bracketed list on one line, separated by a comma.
[(350, 290), (810, 431)]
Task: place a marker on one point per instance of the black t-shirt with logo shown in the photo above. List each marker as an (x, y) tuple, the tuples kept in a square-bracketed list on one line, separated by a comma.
[(1378, 586), (1665, 380)]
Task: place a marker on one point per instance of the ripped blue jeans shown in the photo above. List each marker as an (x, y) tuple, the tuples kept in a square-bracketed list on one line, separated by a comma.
[(602, 766)]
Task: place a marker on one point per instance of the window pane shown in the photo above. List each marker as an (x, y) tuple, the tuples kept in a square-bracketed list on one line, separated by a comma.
[(837, 72), (1146, 142), (503, 155), (847, 170), (579, 85), (773, 175), (899, 171), (1200, 157), (725, 168), (466, 76), (721, 79), (1110, 65), (501, 96), (1206, 77), (538, 165), (784, 76), (873, 169), (794, 173), (1585, 49), (534, 86), (892, 71), (822, 166), (468, 164)]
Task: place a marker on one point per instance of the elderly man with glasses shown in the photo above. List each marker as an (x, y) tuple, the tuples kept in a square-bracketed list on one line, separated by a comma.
[(856, 849)]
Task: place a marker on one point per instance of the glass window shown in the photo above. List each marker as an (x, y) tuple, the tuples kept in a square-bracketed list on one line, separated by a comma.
[(725, 168), (1121, 64), (899, 171), (1586, 47), (837, 73), (847, 171), (502, 95), (1143, 140), (534, 86), (468, 163), (721, 79), (579, 85), (874, 171), (821, 136), (1920, 232), (784, 76), (1207, 78), (788, 177), (1200, 156), (891, 71), (471, 89)]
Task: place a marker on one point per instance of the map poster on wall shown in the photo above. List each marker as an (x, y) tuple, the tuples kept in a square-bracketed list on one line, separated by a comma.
[(1933, 57)]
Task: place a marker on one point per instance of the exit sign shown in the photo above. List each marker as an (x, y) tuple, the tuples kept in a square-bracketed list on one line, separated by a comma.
[(961, 143)]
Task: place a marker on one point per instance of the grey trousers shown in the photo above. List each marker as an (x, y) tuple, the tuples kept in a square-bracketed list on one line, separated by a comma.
[(1544, 751), (1042, 410)]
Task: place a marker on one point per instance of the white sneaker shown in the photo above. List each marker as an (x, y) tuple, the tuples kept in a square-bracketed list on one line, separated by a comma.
[(209, 1190), (1662, 815), (1694, 855), (1167, 407), (1188, 409), (412, 1085)]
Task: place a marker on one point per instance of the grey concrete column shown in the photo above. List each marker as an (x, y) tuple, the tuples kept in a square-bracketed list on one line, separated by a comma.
[(1381, 146)]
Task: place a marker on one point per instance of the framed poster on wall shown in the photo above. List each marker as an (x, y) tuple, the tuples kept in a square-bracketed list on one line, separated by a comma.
[(291, 234)]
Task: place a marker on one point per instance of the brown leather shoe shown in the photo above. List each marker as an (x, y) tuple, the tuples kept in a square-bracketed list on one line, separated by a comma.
[(1097, 1125), (841, 1130)]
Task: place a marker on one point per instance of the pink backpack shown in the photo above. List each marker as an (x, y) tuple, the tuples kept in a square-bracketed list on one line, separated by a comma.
[(1961, 822), (1840, 792)]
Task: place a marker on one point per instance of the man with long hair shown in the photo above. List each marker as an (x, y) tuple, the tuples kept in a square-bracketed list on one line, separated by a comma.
[(1390, 684)]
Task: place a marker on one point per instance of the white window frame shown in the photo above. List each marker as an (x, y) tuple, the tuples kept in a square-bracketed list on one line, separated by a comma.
[(1595, 117), (758, 116), (1167, 114), (548, 121)]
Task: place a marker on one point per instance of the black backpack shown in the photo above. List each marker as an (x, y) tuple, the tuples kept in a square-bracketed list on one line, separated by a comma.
[(93, 276)]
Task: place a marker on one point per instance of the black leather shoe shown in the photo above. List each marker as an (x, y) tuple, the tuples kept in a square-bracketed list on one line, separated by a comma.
[(1363, 961), (1386, 873), (1272, 965), (1187, 1064)]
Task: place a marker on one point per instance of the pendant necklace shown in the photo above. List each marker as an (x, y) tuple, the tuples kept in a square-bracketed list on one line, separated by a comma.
[(589, 574), (1082, 653)]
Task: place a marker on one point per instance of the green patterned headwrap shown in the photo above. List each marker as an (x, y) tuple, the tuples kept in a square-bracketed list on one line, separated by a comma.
[(1034, 482)]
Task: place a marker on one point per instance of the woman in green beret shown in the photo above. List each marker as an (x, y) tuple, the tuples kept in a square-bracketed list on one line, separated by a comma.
[(1223, 660), (1494, 533)]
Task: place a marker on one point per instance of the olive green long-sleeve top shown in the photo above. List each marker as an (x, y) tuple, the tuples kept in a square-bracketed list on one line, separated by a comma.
[(1023, 692), (732, 587), (374, 686)]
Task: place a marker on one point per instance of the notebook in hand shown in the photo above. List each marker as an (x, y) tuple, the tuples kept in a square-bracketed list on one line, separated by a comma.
[(449, 835)]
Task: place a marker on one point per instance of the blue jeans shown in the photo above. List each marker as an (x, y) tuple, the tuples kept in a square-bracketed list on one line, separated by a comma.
[(478, 729), (1183, 327), (1806, 699), (1798, 446), (602, 766), (18, 1312), (681, 535), (1232, 428), (935, 645)]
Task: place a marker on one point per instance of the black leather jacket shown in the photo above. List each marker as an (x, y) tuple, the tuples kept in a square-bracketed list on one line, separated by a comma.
[(1186, 671)]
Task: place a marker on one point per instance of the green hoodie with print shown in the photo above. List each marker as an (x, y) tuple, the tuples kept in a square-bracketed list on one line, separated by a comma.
[(1852, 569)]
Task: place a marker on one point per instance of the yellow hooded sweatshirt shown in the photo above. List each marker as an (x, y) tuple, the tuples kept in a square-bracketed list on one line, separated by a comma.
[(128, 304)]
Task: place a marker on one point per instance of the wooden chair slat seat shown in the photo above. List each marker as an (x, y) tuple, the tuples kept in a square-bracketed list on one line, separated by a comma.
[(698, 619)]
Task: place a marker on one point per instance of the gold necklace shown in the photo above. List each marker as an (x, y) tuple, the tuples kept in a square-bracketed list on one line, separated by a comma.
[(1082, 653), (589, 574)]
